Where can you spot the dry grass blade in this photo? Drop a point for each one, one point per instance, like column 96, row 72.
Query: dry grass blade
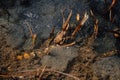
column 69, row 75
column 108, row 54
column 95, row 30
column 33, row 36
column 42, row 72
column 116, row 33
column 70, row 44
column 33, row 39
column 96, row 27
column 93, row 16
column 52, row 32
column 67, row 21
column 110, row 15
column 112, row 4
column 65, row 26
column 29, row 27
column 96, row 23
column 85, row 17
column 78, row 17
column 93, row 37
column 59, row 37
column 63, row 16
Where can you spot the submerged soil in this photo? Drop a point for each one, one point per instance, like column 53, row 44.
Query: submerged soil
column 28, row 53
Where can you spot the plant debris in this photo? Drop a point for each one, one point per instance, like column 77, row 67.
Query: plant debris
column 39, row 44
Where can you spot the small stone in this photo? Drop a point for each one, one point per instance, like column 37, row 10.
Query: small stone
column 59, row 57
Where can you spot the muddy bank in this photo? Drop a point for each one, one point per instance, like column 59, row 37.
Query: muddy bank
column 26, row 45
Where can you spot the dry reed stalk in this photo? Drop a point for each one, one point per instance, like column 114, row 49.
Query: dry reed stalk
column 33, row 36
column 65, row 26
column 85, row 17
column 30, row 29
column 112, row 4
